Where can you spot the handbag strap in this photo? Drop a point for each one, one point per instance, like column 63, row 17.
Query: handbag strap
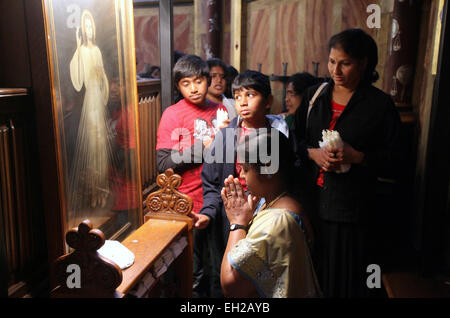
column 313, row 99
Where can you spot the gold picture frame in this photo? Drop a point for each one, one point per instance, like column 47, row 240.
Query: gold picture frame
column 90, row 45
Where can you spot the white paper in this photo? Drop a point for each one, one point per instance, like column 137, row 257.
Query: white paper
column 159, row 268
column 118, row 253
column 148, row 280
column 158, row 271
column 139, row 290
column 168, row 257
column 175, row 250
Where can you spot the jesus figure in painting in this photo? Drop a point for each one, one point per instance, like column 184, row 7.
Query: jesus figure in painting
column 89, row 173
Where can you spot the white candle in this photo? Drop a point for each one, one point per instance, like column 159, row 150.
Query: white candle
column 222, row 115
column 332, row 139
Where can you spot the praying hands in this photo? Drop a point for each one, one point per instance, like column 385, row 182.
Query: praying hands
column 238, row 205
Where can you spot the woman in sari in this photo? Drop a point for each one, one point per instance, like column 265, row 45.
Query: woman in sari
column 267, row 253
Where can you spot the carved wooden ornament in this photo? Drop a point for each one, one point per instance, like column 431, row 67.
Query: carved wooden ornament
column 98, row 275
column 168, row 199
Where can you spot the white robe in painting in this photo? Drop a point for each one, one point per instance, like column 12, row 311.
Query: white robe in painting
column 89, row 184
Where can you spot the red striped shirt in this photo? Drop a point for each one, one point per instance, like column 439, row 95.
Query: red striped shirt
column 181, row 125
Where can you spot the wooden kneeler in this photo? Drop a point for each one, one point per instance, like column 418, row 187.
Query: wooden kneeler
column 166, row 222
column 168, row 203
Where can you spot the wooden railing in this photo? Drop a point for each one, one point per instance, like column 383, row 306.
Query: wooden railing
column 21, row 232
column 149, row 110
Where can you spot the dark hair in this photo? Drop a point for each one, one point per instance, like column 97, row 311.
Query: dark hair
column 231, row 75
column 232, row 72
column 254, row 80
column 177, row 55
column 301, row 81
column 190, row 65
column 359, row 45
column 257, row 139
column 146, row 73
column 153, row 68
column 218, row 62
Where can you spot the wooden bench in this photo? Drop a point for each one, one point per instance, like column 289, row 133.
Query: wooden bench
column 164, row 241
column 411, row 285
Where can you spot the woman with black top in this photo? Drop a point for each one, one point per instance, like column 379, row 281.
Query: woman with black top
column 369, row 125
column 296, row 86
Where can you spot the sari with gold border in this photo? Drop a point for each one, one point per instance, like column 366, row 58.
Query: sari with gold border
column 275, row 256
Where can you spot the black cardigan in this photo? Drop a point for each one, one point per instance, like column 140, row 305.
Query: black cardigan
column 371, row 124
column 213, row 177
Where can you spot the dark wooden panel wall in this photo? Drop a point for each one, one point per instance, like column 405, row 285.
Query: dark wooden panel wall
column 21, row 195
column 23, row 223
column 297, row 32
column 146, row 28
column 15, row 68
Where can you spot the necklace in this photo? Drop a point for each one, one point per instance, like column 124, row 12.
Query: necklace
column 266, row 206
column 271, row 203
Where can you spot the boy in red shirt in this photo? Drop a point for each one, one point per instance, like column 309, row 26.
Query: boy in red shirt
column 185, row 130
column 188, row 127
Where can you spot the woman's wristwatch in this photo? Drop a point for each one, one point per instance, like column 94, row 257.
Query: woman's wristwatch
column 235, row 226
